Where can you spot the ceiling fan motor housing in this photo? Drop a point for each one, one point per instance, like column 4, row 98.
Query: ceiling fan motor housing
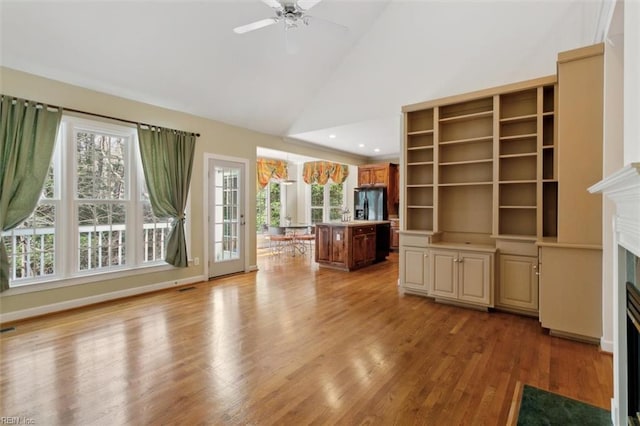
column 291, row 14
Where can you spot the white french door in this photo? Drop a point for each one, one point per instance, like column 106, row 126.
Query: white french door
column 226, row 217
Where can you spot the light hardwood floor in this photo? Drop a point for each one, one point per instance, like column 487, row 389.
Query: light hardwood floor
column 290, row 344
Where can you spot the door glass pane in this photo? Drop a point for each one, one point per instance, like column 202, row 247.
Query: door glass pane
column 226, row 214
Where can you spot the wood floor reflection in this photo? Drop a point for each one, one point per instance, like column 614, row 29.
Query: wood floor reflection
column 289, row 344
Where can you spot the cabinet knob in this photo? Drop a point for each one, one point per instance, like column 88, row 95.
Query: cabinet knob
column 461, row 260
column 456, row 260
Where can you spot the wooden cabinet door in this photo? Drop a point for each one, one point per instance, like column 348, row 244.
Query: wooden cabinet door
column 364, row 176
column 518, row 282
column 395, row 238
column 415, row 268
column 443, row 268
column 370, row 248
column 359, row 255
column 474, row 277
column 380, row 176
column 323, row 243
column 338, row 246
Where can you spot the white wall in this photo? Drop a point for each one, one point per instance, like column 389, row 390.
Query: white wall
column 631, row 81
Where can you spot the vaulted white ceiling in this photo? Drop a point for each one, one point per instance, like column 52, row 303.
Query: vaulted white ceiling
column 184, row 55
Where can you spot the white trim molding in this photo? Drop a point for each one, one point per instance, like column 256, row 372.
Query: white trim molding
column 85, row 301
column 623, row 188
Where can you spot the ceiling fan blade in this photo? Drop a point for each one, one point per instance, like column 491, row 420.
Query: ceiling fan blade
column 274, row 4
column 314, row 20
column 255, row 25
column 307, row 4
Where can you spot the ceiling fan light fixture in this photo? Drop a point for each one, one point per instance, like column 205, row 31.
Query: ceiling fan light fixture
column 292, row 13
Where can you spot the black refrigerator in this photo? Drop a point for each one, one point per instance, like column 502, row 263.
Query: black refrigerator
column 370, row 204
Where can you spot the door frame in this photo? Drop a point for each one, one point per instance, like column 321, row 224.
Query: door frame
column 249, row 219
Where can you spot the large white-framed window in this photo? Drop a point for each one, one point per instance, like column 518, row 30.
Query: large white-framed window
column 94, row 215
column 326, row 201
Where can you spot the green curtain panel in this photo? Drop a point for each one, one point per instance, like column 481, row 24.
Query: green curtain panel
column 27, row 136
column 167, row 160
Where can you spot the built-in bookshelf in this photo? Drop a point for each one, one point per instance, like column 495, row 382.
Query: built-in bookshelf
column 419, row 167
column 517, row 164
column 483, row 165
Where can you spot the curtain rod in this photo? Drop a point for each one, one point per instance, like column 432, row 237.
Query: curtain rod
column 102, row 116
column 114, row 118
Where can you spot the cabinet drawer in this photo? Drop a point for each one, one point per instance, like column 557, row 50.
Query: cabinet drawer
column 414, row 240
column 368, row 229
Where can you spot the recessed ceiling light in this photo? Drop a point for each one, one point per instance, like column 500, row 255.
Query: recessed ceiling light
column 332, row 136
column 361, row 145
column 376, row 150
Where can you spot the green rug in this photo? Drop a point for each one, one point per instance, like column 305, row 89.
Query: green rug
column 539, row 407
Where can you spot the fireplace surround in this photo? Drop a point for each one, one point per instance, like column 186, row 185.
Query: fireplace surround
column 633, row 351
column 632, row 272
column 623, row 188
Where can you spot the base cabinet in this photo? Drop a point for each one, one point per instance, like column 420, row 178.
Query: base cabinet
column 349, row 245
column 364, row 246
column 571, row 292
column 463, row 276
column 414, row 263
column 323, row 246
column 415, row 269
column 518, row 283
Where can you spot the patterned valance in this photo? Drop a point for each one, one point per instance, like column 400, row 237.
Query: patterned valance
column 320, row 171
column 268, row 169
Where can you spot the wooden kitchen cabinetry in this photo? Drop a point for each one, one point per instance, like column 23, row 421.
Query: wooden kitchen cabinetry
column 364, row 245
column 395, row 234
column 382, row 175
column 351, row 245
column 462, row 275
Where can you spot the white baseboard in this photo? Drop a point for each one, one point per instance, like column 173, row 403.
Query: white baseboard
column 606, row 345
column 252, row 268
column 84, row 301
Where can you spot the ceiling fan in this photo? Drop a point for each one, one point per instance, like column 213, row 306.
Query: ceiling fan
column 293, row 13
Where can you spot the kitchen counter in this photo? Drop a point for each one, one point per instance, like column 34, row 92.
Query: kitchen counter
column 352, row 245
column 356, row 223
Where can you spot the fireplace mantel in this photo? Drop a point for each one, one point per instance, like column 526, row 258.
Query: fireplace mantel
column 623, row 188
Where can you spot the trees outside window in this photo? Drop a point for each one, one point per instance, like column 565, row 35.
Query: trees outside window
column 327, row 202
column 268, row 206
